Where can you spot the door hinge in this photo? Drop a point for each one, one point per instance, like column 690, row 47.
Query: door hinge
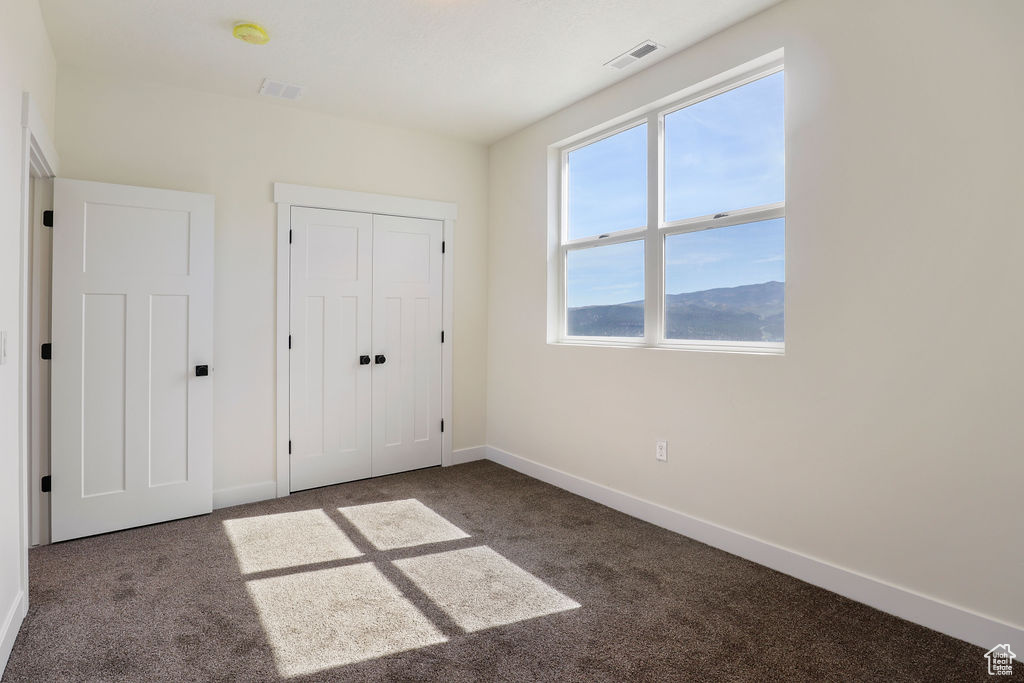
column 289, row 237
column 48, row 219
column 289, row 341
column 44, row 484
column 442, row 336
column 442, row 426
column 442, row 246
column 46, row 351
column 289, row 446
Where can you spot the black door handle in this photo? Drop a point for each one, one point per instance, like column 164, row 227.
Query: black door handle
column 202, row 370
column 364, row 360
column 379, row 359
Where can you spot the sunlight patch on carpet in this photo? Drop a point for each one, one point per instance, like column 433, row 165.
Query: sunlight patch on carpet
column 401, row 524
column 289, row 539
column 321, row 619
column 478, row 588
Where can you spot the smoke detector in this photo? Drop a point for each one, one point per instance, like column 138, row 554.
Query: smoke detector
column 281, row 90
column 634, row 55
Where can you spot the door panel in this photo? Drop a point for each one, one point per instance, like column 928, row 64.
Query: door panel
column 407, row 332
column 114, row 244
column 131, row 425
column 168, row 409
column 331, row 262
column 103, row 381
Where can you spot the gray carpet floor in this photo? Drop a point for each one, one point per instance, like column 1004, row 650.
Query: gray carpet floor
column 469, row 573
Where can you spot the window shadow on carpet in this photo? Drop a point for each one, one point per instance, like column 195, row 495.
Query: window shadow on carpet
column 342, row 585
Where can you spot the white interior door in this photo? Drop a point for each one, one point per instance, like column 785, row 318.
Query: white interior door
column 407, row 262
column 131, row 415
column 331, row 264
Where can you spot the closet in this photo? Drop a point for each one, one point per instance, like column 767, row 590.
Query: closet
column 365, row 343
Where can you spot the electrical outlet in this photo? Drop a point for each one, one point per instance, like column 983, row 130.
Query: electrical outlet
column 3, row 346
column 661, row 451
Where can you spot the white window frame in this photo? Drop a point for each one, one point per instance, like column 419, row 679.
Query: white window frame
column 657, row 229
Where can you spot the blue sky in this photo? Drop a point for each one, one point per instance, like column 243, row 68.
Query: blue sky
column 722, row 154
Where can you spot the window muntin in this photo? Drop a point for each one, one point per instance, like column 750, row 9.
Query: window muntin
column 726, row 152
column 726, row 284
column 605, row 291
column 607, row 184
column 739, row 209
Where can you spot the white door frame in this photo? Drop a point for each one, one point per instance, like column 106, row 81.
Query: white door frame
column 38, row 160
column 286, row 196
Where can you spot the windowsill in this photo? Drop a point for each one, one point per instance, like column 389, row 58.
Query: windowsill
column 750, row 348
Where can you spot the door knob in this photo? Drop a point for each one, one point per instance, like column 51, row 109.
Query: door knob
column 202, row 370
column 364, row 360
column 379, row 359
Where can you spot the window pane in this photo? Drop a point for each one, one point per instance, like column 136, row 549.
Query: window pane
column 727, row 284
column 607, row 184
column 727, row 152
column 605, row 291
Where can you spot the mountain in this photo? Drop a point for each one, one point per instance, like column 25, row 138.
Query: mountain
column 745, row 313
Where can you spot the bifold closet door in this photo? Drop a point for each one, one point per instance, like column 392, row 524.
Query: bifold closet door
column 407, row 267
column 331, row 280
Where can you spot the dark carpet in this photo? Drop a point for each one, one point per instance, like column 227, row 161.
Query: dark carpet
column 216, row 598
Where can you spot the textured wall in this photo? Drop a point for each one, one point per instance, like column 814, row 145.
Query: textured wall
column 888, row 439
column 160, row 136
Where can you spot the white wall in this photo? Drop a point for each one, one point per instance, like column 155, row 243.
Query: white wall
column 26, row 64
column 159, row 136
column 888, row 440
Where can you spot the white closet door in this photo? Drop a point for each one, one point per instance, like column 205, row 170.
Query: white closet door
column 331, row 280
column 407, row 262
column 132, row 308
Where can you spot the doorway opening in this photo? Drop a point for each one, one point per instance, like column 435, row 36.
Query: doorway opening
column 39, row 166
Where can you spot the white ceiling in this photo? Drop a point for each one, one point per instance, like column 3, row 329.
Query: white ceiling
column 475, row 69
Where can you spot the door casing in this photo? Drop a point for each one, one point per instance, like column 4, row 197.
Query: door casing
column 39, row 161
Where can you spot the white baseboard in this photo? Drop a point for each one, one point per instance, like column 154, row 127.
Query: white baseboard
column 249, row 493
column 9, row 627
column 937, row 615
column 468, row 455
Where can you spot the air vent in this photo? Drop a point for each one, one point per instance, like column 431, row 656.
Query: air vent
column 635, row 55
column 643, row 50
column 284, row 91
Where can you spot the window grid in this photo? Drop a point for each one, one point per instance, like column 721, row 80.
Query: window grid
column 658, row 229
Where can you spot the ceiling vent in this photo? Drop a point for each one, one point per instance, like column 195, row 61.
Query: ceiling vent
column 635, row 55
column 284, row 91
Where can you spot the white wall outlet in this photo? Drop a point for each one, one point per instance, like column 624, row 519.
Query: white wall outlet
column 3, row 346
column 661, row 451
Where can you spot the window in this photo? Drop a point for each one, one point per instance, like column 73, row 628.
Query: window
column 688, row 251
